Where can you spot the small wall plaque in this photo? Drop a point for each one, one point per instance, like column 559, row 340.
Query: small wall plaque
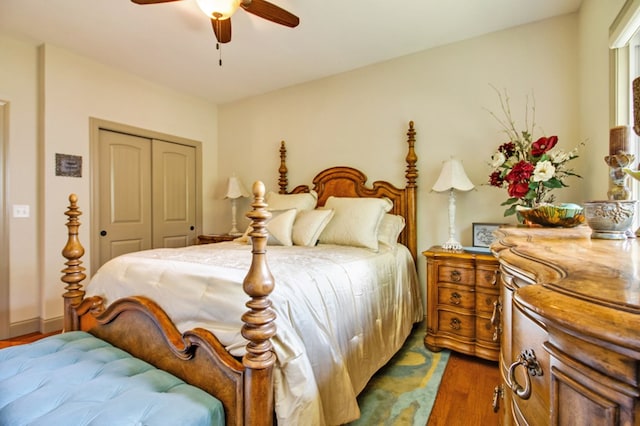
column 68, row 165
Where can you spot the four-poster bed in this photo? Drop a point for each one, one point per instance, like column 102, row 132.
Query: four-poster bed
column 337, row 313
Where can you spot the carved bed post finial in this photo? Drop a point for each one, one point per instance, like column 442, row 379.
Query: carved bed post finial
column 283, row 182
column 74, row 272
column 412, row 177
column 259, row 324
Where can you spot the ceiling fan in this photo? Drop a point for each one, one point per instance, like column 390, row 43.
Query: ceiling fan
column 220, row 11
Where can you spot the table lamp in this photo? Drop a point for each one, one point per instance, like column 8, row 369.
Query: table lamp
column 235, row 190
column 452, row 177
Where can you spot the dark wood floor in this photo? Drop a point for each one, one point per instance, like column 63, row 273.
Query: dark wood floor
column 464, row 397
column 466, row 392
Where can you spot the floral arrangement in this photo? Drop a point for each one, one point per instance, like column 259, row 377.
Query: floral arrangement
column 527, row 167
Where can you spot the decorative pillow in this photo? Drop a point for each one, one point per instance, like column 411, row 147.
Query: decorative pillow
column 355, row 221
column 308, row 226
column 279, row 227
column 300, row 202
column 390, row 228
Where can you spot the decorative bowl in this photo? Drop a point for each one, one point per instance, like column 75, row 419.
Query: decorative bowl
column 610, row 219
column 565, row 215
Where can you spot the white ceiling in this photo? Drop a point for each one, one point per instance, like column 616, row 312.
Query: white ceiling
column 173, row 43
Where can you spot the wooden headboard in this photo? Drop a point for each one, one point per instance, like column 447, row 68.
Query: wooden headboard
column 342, row 181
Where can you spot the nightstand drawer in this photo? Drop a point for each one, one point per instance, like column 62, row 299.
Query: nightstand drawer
column 487, row 278
column 485, row 330
column 456, row 297
column 456, row 323
column 485, row 302
column 456, row 274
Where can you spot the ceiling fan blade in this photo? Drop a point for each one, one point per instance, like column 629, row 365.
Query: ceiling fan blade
column 151, row 1
column 270, row 12
column 222, row 29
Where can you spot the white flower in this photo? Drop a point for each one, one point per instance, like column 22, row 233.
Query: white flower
column 544, row 171
column 497, row 160
column 559, row 156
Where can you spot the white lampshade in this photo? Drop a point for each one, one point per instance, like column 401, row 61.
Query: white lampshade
column 235, row 189
column 453, row 176
column 219, row 9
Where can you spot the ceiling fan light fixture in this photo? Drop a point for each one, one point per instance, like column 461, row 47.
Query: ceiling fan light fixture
column 219, row 9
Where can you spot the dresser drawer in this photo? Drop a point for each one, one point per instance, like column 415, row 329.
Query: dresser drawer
column 456, row 296
column 456, row 274
column 456, row 323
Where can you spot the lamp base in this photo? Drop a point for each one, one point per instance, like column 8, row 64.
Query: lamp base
column 452, row 244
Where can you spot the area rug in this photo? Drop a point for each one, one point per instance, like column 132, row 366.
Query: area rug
column 403, row 391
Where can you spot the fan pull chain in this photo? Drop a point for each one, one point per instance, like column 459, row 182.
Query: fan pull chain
column 219, row 49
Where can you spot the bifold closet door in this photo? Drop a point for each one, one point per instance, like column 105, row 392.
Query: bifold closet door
column 124, row 208
column 147, row 194
column 174, row 194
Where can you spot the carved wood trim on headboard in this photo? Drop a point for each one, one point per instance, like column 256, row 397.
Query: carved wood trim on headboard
column 342, row 181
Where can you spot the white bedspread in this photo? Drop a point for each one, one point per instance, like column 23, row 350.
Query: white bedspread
column 342, row 312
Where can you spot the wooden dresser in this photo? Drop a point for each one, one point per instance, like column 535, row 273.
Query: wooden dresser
column 462, row 300
column 570, row 346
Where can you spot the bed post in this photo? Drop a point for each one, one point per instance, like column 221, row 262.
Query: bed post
column 412, row 177
column 283, row 182
column 258, row 325
column 74, row 272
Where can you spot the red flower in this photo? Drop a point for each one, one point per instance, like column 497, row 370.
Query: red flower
column 521, row 172
column 543, row 145
column 508, row 149
column 495, row 179
column 518, row 189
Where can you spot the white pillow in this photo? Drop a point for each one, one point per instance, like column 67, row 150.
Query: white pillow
column 355, row 221
column 305, row 201
column 390, row 228
column 279, row 227
column 308, row 226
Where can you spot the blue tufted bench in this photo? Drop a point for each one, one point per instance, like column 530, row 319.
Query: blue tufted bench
column 75, row 378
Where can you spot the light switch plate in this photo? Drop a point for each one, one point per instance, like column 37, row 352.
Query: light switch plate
column 20, row 210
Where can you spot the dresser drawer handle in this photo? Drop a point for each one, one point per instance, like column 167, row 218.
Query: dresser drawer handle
column 527, row 359
column 455, row 298
column 455, row 323
column 456, row 276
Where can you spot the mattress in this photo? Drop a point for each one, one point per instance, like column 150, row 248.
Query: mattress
column 77, row 379
column 342, row 312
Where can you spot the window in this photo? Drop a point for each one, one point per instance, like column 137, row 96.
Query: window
column 624, row 40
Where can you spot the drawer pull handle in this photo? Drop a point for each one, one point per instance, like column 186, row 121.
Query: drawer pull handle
column 455, row 323
column 527, row 359
column 495, row 320
column 456, row 276
column 498, row 394
column 495, row 280
column 455, row 298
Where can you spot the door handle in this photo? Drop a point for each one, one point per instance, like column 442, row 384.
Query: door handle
column 191, row 228
column 103, row 233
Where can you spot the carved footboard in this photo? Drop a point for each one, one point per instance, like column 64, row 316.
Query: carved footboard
column 139, row 326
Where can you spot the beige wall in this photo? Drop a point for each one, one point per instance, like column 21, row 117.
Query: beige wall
column 357, row 118
column 73, row 89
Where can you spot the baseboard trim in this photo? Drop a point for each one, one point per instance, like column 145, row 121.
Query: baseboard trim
column 35, row 325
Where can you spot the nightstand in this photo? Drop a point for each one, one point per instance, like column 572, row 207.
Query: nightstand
column 463, row 311
column 215, row 238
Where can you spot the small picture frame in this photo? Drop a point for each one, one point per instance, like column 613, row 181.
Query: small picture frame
column 483, row 234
